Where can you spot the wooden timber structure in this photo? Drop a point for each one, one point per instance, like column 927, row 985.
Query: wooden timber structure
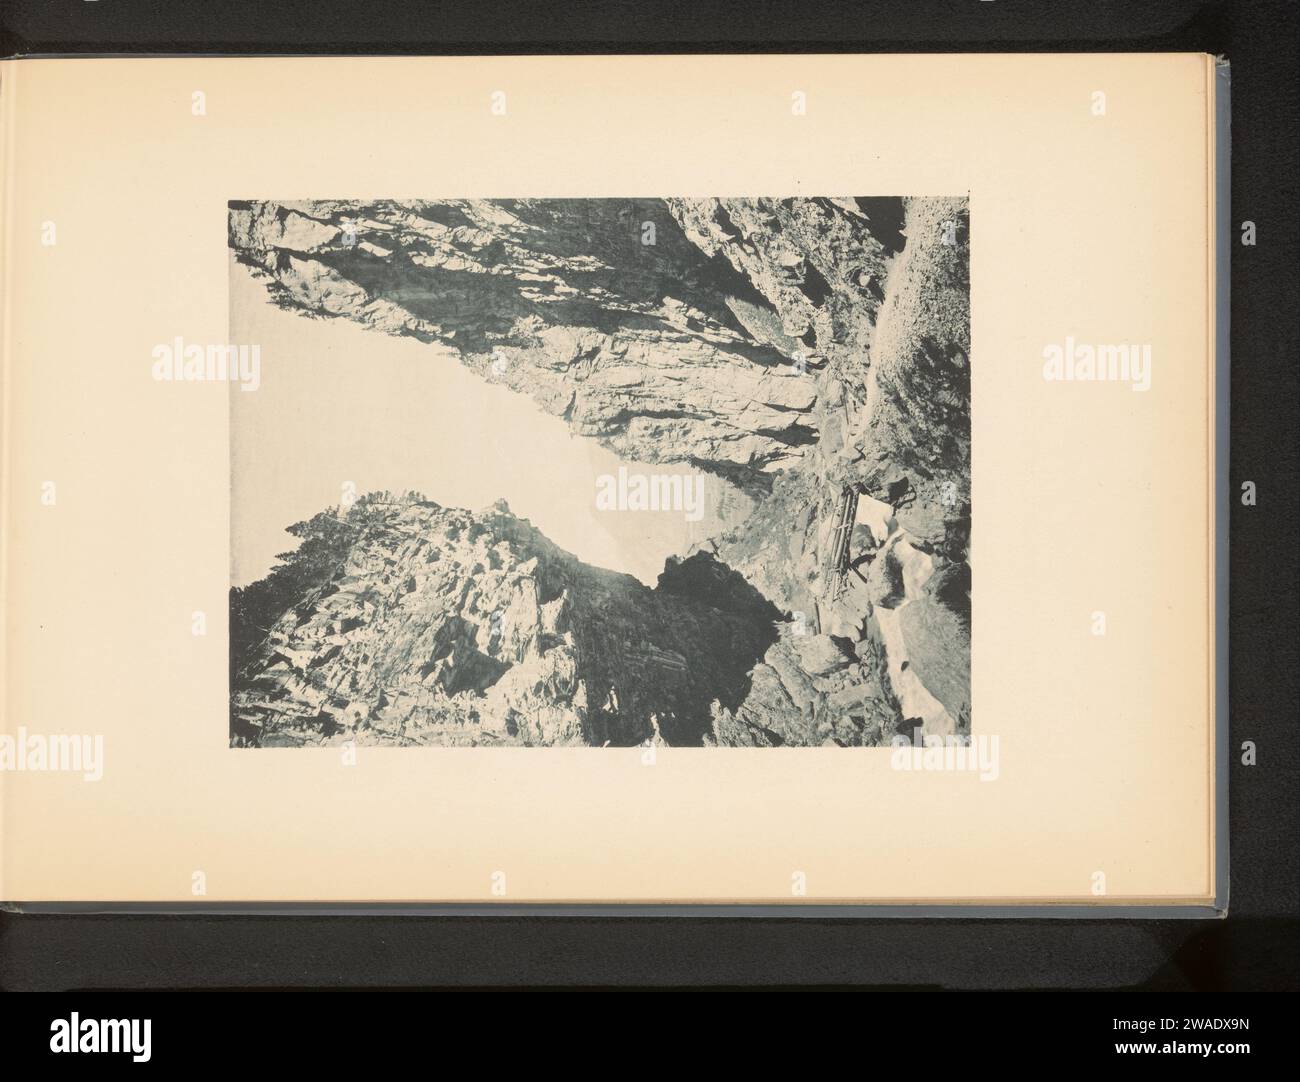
column 846, row 514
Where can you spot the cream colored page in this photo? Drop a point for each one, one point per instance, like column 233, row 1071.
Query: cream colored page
column 1088, row 497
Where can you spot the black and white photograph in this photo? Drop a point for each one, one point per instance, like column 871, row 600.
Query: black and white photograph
column 600, row 472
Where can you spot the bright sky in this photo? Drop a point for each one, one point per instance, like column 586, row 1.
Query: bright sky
column 340, row 403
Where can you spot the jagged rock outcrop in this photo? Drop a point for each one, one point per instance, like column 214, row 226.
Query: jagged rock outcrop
column 819, row 263
column 602, row 311
column 807, row 350
column 429, row 625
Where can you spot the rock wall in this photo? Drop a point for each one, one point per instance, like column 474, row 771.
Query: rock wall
column 663, row 351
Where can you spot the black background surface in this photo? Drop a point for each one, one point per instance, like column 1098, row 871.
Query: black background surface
column 1256, row 947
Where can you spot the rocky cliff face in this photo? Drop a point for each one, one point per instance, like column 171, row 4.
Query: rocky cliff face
column 802, row 349
column 894, row 426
